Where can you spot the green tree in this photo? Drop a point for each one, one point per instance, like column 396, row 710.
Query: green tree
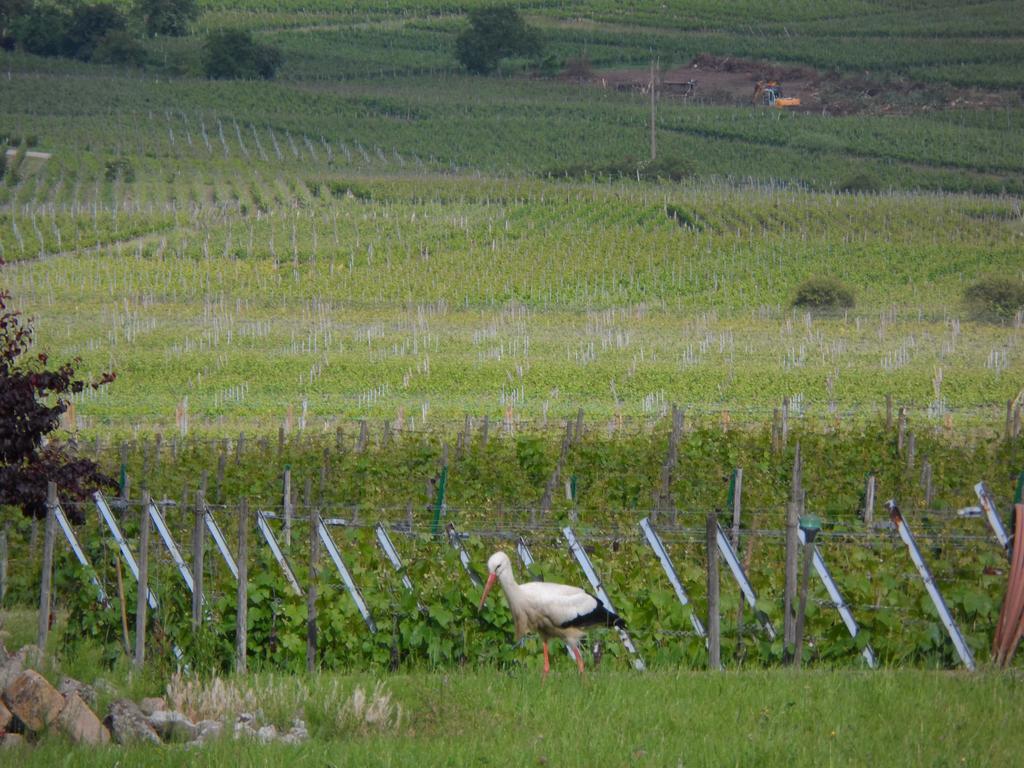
column 233, row 54
column 119, row 47
column 494, row 34
column 41, row 30
column 89, row 24
column 166, row 17
column 10, row 12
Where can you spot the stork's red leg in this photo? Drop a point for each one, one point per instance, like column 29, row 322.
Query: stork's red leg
column 547, row 660
column 579, row 658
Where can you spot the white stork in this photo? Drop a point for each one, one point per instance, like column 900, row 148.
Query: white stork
column 550, row 610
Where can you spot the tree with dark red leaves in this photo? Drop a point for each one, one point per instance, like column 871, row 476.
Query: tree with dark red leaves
column 32, row 399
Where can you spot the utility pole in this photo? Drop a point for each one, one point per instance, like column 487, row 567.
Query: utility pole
column 654, row 139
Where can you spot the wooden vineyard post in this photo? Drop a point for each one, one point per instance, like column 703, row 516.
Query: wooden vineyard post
column 314, row 556
column 47, row 576
column 242, row 595
column 869, row 502
column 198, row 550
column 714, row 624
column 792, row 518
column 3, row 559
column 287, row 506
column 798, row 646
column 143, row 590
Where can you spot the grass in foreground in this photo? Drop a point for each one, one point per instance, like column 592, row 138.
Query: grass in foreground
column 751, row 718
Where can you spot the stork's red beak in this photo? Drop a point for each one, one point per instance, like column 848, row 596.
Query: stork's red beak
column 487, row 588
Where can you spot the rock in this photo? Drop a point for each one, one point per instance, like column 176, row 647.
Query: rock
column 12, row 741
column 297, row 734
column 173, row 726
column 128, row 725
column 10, row 668
column 5, row 717
column 152, row 704
column 30, row 655
column 80, row 723
column 86, row 693
column 245, row 726
column 208, row 730
column 267, row 734
column 35, row 702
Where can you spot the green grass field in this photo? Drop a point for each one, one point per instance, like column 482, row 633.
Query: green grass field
column 471, row 717
column 620, row 719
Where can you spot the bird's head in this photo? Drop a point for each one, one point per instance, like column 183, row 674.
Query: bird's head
column 497, row 565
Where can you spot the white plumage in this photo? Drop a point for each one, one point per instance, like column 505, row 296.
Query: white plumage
column 550, row 610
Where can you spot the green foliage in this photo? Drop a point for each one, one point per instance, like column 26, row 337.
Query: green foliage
column 119, row 47
column 994, row 298
column 119, row 168
column 495, row 33
column 233, row 54
column 42, row 30
column 166, row 17
column 864, row 181
column 88, row 26
column 630, row 169
column 823, row 293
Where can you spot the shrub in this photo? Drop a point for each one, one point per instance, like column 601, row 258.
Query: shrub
column 823, row 293
column 233, row 54
column 994, row 298
column 120, row 168
column 42, row 30
column 495, row 34
column 88, row 26
column 864, row 181
column 166, row 17
column 119, row 47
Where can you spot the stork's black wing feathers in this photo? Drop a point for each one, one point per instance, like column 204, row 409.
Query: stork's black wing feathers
column 599, row 617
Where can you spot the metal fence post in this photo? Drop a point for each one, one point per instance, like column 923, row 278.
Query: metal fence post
column 46, row 581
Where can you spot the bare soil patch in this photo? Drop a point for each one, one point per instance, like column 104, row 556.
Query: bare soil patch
column 728, row 81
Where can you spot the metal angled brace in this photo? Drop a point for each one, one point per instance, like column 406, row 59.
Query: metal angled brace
column 268, row 535
column 392, row 554
column 165, row 536
column 929, row 583
column 346, row 577
column 666, row 563
column 126, row 553
column 69, row 534
column 218, row 538
column 988, row 504
column 588, row 568
column 729, row 555
column 455, row 539
column 837, row 599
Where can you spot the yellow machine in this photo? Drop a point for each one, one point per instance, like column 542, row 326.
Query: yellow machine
column 769, row 93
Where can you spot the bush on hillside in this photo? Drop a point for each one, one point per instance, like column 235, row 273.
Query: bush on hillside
column 495, row 34
column 823, row 293
column 166, row 17
column 994, row 298
column 88, row 25
column 119, row 47
column 232, row 54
